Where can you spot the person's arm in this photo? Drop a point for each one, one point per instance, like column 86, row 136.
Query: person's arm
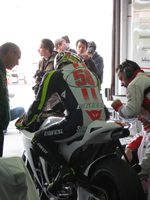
column 128, row 153
column 133, row 146
column 145, row 144
column 134, row 102
column 44, row 93
column 91, row 65
column 99, row 65
column 145, row 162
column 89, row 62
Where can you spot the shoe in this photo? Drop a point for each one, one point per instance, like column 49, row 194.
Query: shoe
column 62, row 177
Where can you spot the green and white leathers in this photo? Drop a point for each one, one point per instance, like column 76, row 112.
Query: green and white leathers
column 78, row 89
column 4, row 103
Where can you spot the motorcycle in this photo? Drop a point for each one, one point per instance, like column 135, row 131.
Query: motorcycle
column 100, row 173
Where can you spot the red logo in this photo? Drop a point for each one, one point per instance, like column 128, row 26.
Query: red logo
column 94, row 114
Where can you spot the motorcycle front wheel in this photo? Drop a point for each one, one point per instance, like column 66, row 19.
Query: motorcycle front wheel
column 114, row 179
column 39, row 190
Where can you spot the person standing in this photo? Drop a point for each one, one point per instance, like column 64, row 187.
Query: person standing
column 66, row 38
column 46, row 50
column 81, row 48
column 60, row 45
column 98, row 60
column 46, row 64
column 82, row 51
column 10, row 54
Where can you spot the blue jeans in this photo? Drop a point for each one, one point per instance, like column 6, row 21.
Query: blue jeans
column 16, row 113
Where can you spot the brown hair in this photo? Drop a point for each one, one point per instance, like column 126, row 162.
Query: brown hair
column 48, row 44
column 58, row 42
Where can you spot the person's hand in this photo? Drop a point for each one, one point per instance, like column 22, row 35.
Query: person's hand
column 115, row 103
column 128, row 153
column 19, row 123
column 143, row 119
column 85, row 56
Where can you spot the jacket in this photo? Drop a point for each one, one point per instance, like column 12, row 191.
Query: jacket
column 98, row 60
column 50, row 64
column 138, row 97
column 44, row 69
column 4, row 100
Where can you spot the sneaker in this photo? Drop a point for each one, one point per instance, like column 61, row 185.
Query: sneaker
column 63, row 176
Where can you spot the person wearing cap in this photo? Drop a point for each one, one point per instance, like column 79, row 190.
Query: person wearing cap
column 66, row 38
column 9, row 57
column 98, row 60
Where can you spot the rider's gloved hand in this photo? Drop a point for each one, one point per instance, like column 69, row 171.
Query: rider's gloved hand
column 19, row 123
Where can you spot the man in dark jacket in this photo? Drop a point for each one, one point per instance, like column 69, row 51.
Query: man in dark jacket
column 98, row 60
column 81, row 48
column 9, row 57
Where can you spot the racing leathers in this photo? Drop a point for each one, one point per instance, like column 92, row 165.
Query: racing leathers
column 78, row 89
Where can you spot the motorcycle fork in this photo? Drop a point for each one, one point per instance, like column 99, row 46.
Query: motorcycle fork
column 37, row 168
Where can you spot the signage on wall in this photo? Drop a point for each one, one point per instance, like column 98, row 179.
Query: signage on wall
column 141, row 33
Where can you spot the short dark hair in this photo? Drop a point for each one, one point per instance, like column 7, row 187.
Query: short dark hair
column 48, row 44
column 128, row 67
column 83, row 41
column 66, row 38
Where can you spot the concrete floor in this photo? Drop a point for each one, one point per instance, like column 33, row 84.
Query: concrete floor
column 24, row 96
column 13, row 145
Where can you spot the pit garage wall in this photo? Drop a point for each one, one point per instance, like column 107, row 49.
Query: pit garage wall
column 141, row 33
column 134, row 36
column 125, row 39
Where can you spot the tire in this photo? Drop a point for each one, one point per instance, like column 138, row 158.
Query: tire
column 114, row 179
column 40, row 192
